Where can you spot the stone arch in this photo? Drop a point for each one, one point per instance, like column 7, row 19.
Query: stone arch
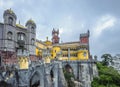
column 9, row 35
column 68, row 68
column 10, row 20
column 51, row 75
column 35, row 80
column 69, row 75
column 74, row 66
column 32, row 41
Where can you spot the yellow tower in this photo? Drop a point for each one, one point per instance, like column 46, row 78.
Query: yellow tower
column 82, row 53
column 55, row 51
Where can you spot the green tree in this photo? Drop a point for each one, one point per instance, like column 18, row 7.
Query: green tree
column 107, row 58
column 108, row 77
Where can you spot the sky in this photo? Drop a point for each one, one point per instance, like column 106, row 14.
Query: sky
column 72, row 17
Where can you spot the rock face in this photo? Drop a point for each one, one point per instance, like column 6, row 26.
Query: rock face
column 51, row 75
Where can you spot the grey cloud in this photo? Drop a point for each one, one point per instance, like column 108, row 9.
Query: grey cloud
column 84, row 14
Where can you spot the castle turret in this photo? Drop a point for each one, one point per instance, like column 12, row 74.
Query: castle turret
column 84, row 38
column 31, row 28
column 83, row 49
column 9, row 17
column 55, row 36
column 30, row 24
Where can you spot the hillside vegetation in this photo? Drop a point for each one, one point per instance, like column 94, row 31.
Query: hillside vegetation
column 108, row 77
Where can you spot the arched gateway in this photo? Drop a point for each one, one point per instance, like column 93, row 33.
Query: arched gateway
column 35, row 80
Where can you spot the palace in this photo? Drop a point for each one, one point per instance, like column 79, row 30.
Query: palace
column 77, row 50
column 27, row 62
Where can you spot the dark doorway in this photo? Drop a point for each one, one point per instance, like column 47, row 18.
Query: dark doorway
column 51, row 75
column 35, row 80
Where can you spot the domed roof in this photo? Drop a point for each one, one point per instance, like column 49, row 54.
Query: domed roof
column 9, row 11
column 30, row 21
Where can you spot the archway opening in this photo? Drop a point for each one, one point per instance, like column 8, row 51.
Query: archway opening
column 35, row 80
column 52, row 75
column 69, row 76
column 68, row 68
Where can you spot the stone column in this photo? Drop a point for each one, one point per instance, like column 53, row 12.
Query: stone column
column 61, row 79
column 68, row 54
column 47, row 77
column 56, row 74
column 42, row 76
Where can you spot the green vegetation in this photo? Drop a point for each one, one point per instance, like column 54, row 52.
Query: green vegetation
column 108, row 76
column 68, row 76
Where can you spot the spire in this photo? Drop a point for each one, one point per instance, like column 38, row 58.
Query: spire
column 88, row 33
column 47, row 38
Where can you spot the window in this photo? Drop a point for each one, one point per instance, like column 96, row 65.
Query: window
column 9, row 35
column 32, row 29
column 32, row 41
column 84, row 54
column 21, row 36
column 10, row 20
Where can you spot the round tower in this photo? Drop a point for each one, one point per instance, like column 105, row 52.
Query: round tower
column 9, row 17
column 31, row 28
column 30, row 24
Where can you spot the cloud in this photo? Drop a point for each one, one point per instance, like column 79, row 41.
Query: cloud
column 104, row 23
column 4, row 4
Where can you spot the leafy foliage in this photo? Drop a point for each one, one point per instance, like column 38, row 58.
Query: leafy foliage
column 107, row 58
column 108, row 77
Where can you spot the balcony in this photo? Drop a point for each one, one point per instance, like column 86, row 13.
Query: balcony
column 21, row 52
column 21, row 43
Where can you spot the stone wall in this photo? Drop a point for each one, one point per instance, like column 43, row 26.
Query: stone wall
column 51, row 75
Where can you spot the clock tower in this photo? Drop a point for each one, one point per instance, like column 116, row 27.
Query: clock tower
column 55, row 36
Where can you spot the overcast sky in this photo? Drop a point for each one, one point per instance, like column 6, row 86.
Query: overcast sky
column 72, row 17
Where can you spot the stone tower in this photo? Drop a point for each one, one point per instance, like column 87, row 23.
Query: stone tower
column 31, row 26
column 84, row 38
column 9, row 32
column 55, row 36
column 9, row 17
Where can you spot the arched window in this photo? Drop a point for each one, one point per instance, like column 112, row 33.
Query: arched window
column 32, row 29
column 84, row 54
column 10, row 20
column 21, row 36
column 9, row 35
column 32, row 41
column 52, row 75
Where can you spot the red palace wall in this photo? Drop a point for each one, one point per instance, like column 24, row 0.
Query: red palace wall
column 8, row 57
column 84, row 40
